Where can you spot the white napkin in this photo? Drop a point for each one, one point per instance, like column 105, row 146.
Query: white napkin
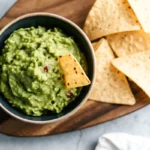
column 122, row 141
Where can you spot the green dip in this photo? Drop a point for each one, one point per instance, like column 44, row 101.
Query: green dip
column 30, row 77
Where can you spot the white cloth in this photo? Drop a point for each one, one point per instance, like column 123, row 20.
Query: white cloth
column 122, row 141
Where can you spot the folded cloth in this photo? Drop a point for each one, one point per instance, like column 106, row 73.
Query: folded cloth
column 122, row 141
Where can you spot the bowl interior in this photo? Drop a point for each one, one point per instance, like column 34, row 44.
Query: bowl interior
column 50, row 22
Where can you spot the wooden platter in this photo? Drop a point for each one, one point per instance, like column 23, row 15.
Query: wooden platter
column 92, row 112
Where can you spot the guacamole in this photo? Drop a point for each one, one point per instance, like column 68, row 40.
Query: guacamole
column 30, row 76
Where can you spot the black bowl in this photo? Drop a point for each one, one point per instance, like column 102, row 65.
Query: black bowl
column 50, row 21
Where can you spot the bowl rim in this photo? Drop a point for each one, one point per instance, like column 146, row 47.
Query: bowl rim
column 93, row 59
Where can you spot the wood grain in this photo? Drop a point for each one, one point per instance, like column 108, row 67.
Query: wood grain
column 92, row 112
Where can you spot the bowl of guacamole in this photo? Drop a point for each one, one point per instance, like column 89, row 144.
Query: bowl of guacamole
column 32, row 86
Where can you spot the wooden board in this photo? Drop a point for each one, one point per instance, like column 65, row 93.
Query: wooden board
column 92, row 112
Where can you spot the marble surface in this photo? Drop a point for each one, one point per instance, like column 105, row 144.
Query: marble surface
column 137, row 123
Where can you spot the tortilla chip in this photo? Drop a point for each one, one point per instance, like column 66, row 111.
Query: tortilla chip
column 142, row 12
column 136, row 67
column 129, row 42
column 111, row 86
column 108, row 17
column 74, row 75
column 96, row 44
